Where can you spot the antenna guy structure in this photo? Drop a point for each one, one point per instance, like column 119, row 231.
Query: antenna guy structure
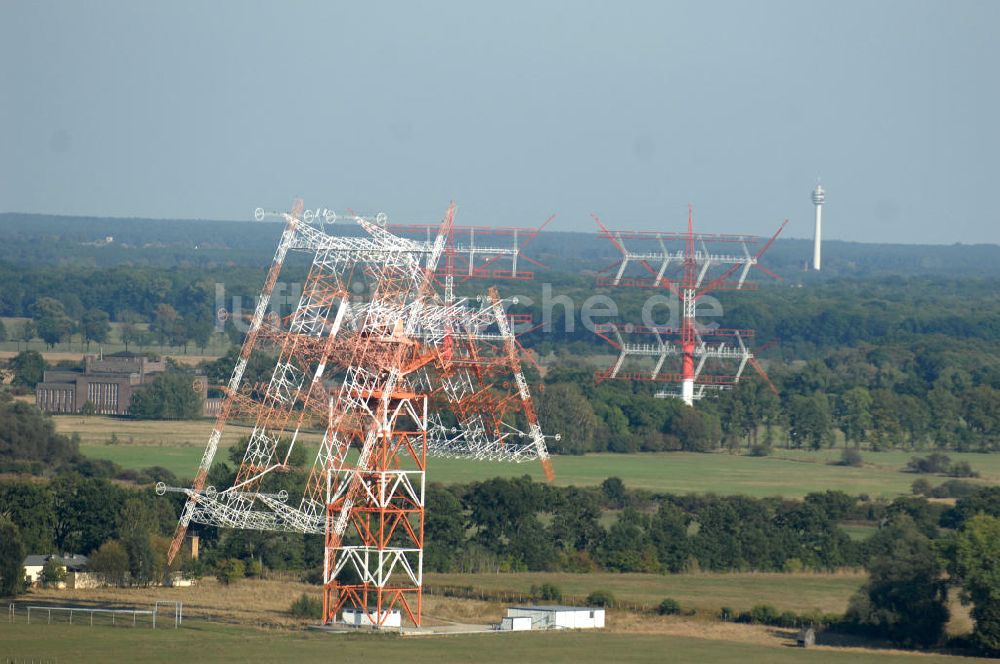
column 692, row 358
column 389, row 378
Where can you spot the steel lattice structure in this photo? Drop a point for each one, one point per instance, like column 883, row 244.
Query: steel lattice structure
column 390, row 378
column 690, row 265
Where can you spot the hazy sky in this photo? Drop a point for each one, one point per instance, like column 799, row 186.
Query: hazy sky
column 515, row 110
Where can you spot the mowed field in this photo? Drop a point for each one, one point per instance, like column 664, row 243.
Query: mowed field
column 210, row 642
column 827, row 593
column 249, row 622
column 178, row 446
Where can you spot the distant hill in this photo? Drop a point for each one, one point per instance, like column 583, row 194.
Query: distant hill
column 64, row 240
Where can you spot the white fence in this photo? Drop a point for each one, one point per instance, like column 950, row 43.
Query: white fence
column 85, row 614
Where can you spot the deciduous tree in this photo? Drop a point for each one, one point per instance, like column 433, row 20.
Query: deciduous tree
column 905, row 596
column 11, row 558
column 110, row 562
column 94, row 326
column 977, row 566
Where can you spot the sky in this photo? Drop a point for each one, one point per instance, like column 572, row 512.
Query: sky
column 515, row 110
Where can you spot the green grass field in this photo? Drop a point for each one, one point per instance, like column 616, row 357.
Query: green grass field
column 793, row 473
column 827, row 593
column 205, row 642
column 96, row 431
column 684, row 472
column 859, row 531
column 987, row 464
column 677, row 472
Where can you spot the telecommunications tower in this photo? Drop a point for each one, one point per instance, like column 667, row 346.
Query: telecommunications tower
column 688, row 358
column 379, row 382
column 818, row 196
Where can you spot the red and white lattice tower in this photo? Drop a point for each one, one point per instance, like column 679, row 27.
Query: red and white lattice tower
column 389, row 378
column 690, row 265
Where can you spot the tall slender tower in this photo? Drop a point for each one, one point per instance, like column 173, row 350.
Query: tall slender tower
column 818, row 197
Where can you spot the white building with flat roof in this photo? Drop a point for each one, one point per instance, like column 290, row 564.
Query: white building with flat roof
column 557, row 617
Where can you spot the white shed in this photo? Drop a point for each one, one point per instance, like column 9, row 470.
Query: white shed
column 360, row 617
column 519, row 624
column 559, row 617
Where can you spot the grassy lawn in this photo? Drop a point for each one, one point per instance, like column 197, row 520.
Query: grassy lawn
column 828, row 593
column 988, row 465
column 177, row 446
column 249, row 622
column 96, row 431
column 858, row 531
column 678, row 472
column 181, row 461
column 213, row 642
column 792, row 473
column 684, row 472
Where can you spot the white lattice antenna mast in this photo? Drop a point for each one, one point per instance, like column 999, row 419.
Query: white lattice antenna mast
column 365, row 372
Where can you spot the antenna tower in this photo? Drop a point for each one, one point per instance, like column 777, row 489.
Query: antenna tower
column 690, row 265
column 387, row 379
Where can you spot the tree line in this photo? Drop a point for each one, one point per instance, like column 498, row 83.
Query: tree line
column 882, row 398
column 919, row 548
column 890, row 363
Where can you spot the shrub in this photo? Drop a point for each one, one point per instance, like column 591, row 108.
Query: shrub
column 763, row 614
column 921, row 487
column 547, row 591
column 962, row 469
column 194, row 568
column 229, row 571
column 53, row 572
column 668, row 607
column 931, row 464
column 726, row 614
column 307, row 606
column 787, row 619
column 130, row 475
column 160, row 474
column 99, row 468
column 851, row 457
column 313, row 576
column 816, row 618
column 940, row 464
column 953, row 489
column 793, row 565
column 600, row 598
column 255, row 568
column 760, row 451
